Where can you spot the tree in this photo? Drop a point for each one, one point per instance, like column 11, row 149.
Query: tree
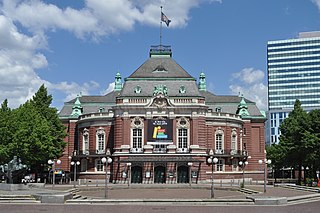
column 32, row 140
column 292, row 140
column 277, row 155
column 33, row 132
column 312, row 141
column 41, row 101
column 5, row 131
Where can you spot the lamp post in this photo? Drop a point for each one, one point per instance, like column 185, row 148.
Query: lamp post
column 107, row 161
column 190, row 180
column 75, row 172
column 212, row 161
column 53, row 163
column 265, row 162
column 128, row 165
column 243, row 165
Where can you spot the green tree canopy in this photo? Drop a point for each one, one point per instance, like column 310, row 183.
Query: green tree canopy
column 33, row 132
column 299, row 141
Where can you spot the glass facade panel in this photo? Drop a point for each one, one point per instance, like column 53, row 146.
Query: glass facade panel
column 293, row 73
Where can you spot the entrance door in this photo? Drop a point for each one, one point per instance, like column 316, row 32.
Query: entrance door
column 136, row 174
column 183, row 174
column 159, row 174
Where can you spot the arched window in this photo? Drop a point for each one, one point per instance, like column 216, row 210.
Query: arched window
column 234, row 140
column 85, row 142
column 183, row 129
column 100, row 141
column 219, row 141
column 137, row 126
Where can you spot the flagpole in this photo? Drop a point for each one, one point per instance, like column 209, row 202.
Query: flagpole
column 161, row 27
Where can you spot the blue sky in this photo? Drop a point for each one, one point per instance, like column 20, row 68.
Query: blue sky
column 75, row 46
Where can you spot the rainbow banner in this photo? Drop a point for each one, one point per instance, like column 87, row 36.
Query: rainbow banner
column 160, row 131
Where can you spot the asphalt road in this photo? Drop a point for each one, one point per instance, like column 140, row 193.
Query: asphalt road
column 311, row 207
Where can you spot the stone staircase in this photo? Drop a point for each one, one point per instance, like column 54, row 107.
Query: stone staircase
column 76, row 194
column 18, row 199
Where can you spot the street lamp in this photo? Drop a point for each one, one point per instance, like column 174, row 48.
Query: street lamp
column 212, row 161
column 266, row 162
column 75, row 171
column 107, row 161
column 53, row 163
column 190, row 180
column 243, row 165
column 128, row 165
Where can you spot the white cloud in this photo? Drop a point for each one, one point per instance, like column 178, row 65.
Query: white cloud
column 109, row 89
column 73, row 89
column 317, row 2
column 25, row 23
column 18, row 59
column 249, row 82
column 249, row 75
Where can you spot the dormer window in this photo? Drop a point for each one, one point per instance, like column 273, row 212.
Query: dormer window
column 182, row 90
column 160, row 68
column 137, row 89
column 218, row 109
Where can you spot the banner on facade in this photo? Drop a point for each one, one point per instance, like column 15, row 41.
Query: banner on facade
column 160, row 131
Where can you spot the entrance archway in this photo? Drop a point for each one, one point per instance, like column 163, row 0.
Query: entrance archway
column 159, row 174
column 183, row 174
column 136, row 174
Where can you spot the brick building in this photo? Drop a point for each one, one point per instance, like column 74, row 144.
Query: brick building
column 161, row 126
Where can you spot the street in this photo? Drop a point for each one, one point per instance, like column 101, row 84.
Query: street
column 98, row 208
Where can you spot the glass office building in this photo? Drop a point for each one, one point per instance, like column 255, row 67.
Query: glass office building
column 293, row 73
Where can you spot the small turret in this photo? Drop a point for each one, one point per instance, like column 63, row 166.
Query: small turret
column 202, row 82
column 118, row 82
column 77, row 108
column 242, row 107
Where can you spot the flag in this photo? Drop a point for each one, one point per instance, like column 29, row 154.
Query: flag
column 165, row 19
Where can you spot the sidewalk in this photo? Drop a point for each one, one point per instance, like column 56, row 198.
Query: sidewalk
column 173, row 193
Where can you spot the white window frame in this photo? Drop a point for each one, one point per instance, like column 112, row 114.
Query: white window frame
column 182, row 139
column 220, row 165
column 85, row 142
column 101, row 140
column 137, row 134
column 183, row 134
column 137, row 138
column 219, row 142
column 98, row 165
column 234, row 139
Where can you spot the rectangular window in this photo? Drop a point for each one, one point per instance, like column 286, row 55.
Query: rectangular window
column 136, row 138
column 83, row 165
column 182, row 138
column 85, row 144
column 220, row 166
column 100, row 142
column 234, row 165
column 233, row 142
column 99, row 166
column 218, row 142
